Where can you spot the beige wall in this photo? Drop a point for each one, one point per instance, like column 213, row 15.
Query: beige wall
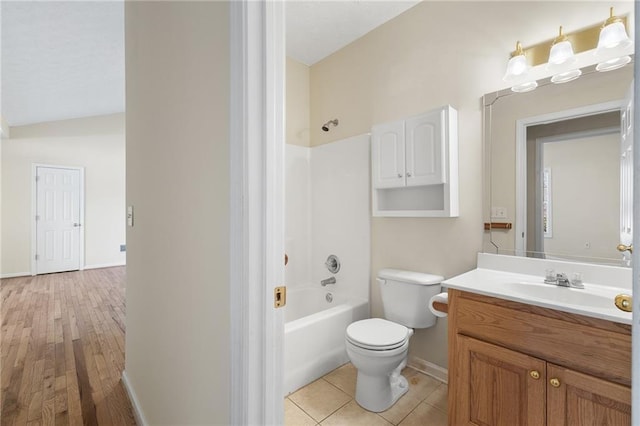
column 177, row 343
column 95, row 143
column 434, row 54
column 297, row 113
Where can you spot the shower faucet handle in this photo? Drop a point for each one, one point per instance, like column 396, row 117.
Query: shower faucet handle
column 333, row 264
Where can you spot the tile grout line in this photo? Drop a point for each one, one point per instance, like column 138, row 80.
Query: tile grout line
column 304, row 411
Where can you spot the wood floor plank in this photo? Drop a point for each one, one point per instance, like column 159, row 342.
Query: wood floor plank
column 62, row 349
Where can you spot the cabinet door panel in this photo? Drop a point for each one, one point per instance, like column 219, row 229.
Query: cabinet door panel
column 425, row 160
column 495, row 387
column 388, row 155
column 585, row 400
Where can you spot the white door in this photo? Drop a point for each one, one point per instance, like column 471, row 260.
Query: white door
column 626, row 173
column 57, row 219
column 425, row 142
column 388, row 153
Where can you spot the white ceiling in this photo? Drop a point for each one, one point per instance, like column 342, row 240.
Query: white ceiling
column 316, row 29
column 62, row 60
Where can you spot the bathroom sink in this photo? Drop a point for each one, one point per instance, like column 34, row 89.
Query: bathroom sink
column 521, row 279
column 589, row 297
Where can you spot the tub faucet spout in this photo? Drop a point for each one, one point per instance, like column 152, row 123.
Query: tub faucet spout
column 331, row 280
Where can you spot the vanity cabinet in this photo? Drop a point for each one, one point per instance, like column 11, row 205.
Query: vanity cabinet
column 516, row 364
column 415, row 165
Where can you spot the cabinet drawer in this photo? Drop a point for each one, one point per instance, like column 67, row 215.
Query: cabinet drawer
column 565, row 339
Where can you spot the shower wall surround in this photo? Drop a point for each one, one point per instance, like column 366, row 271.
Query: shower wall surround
column 327, row 211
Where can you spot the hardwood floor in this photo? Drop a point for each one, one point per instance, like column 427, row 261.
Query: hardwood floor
column 62, row 348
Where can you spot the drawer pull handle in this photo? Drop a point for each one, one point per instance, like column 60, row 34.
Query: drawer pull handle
column 555, row 382
column 534, row 374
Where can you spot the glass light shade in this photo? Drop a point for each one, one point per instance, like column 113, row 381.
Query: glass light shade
column 613, row 64
column 516, row 68
column 561, row 53
column 566, row 77
column 525, row 87
column 612, row 36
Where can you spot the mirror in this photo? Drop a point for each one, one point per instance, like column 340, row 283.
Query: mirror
column 553, row 163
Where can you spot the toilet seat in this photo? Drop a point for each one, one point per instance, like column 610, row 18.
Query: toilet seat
column 377, row 334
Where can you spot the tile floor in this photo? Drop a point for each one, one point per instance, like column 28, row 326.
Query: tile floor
column 330, row 401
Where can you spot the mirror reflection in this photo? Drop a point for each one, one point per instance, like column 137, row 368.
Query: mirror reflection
column 554, row 159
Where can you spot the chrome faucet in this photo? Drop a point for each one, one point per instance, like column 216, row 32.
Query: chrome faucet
column 561, row 280
column 331, row 280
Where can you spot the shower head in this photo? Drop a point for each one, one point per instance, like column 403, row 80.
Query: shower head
column 333, row 122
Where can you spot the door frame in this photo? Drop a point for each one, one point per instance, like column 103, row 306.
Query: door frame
column 34, row 200
column 257, row 111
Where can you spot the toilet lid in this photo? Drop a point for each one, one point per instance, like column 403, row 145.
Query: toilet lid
column 377, row 334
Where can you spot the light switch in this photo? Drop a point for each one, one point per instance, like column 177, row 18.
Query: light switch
column 130, row 215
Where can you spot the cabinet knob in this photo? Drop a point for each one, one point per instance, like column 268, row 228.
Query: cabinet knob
column 408, row 174
column 399, row 175
column 534, row 374
column 554, row 382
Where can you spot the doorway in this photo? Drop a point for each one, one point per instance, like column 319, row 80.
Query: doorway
column 58, row 216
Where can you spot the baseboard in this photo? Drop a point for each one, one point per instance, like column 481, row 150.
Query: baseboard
column 105, row 265
column 16, row 274
column 429, row 368
column 137, row 411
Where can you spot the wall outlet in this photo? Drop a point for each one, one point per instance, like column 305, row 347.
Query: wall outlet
column 498, row 212
column 123, row 247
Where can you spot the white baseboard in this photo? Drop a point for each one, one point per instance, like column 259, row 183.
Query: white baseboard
column 137, row 411
column 16, row 274
column 429, row 368
column 105, row 265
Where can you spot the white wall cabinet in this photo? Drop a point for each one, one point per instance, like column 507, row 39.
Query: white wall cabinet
column 415, row 166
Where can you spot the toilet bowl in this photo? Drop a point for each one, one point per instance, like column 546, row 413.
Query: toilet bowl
column 378, row 348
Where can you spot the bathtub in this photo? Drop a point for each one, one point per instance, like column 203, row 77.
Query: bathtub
column 314, row 333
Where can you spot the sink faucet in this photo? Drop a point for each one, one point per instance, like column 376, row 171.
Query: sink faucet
column 561, row 280
column 331, row 280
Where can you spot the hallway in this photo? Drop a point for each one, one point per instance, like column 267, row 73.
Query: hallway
column 62, row 347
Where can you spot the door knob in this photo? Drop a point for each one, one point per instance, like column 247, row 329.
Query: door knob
column 75, row 225
column 534, row 374
column 555, row 382
column 624, row 302
column 622, row 247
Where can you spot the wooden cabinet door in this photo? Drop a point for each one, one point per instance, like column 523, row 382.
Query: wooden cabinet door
column 388, row 155
column 426, row 149
column 495, row 386
column 578, row 399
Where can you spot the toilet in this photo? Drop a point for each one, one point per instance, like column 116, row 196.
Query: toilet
column 378, row 347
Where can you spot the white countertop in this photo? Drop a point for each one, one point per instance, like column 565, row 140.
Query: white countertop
column 595, row 300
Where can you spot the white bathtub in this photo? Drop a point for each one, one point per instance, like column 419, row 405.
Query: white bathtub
column 314, row 333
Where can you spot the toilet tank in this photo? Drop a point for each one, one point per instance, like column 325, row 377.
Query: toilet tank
column 405, row 296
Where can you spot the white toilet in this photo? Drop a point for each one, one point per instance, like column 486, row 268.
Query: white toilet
column 378, row 347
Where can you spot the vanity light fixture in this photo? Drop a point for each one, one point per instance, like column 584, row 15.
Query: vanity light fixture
column 613, row 36
column 561, row 58
column 518, row 72
column 609, row 43
column 561, row 50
